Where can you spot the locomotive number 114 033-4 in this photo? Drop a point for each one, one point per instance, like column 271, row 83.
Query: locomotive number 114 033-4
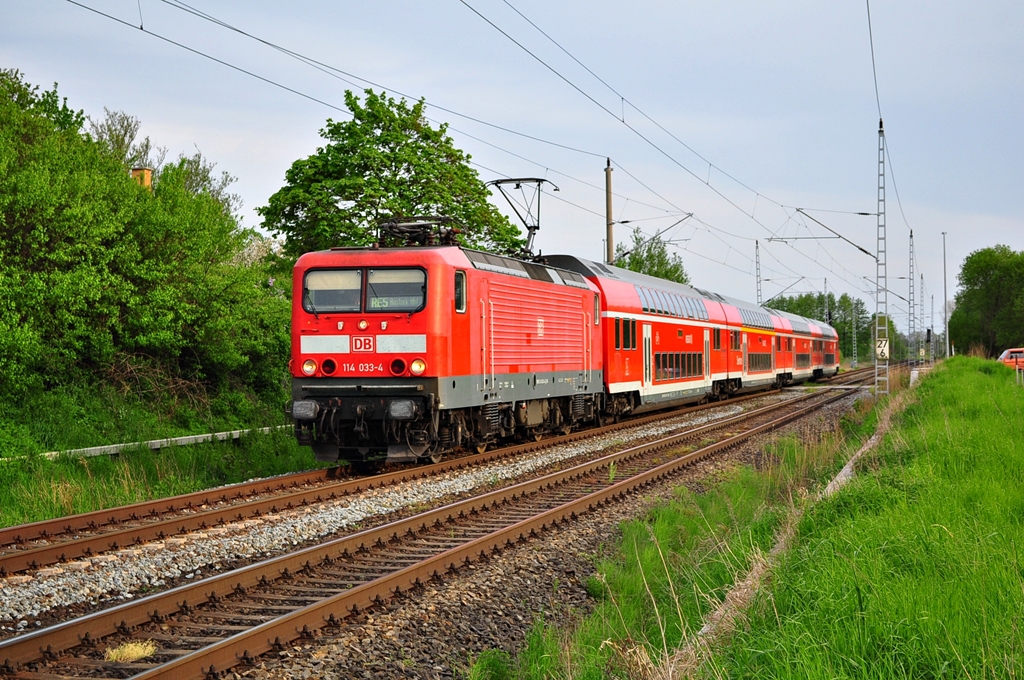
column 363, row 368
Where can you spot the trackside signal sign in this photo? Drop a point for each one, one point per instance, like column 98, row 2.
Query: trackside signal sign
column 882, row 348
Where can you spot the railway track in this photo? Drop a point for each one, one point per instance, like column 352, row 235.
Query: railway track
column 206, row 627
column 86, row 536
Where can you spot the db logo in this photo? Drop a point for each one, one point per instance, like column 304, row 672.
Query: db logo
column 362, row 343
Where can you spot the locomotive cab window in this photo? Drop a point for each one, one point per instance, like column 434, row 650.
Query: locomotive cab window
column 460, row 292
column 327, row 291
column 395, row 290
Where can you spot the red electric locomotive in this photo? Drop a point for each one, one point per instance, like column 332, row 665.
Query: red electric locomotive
column 403, row 354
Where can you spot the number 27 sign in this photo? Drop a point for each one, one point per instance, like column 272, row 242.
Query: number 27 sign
column 882, row 348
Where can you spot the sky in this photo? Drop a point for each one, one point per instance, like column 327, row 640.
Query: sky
column 735, row 112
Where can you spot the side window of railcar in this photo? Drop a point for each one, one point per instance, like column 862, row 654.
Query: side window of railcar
column 618, row 333
column 718, row 338
column 597, row 311
column 327, row 291
column 395, row 290
column 632, row 333
column 460, row 292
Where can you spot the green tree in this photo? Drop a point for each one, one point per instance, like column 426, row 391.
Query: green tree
column 649, row 255
column 116, row 133
column 841, row 313
column 386, row 162
column 97, row 271
column 989, row 310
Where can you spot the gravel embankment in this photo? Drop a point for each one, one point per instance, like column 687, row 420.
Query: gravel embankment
column 439, row 632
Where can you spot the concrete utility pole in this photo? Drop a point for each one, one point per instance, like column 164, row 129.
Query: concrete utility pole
column 945, row 296
column 608, row 212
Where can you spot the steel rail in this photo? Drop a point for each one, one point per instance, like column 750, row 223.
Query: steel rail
column 58, row 638
column 209, row 661
column 49, row 528
column 105, row 537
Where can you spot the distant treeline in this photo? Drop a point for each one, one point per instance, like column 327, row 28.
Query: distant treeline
column 989, row 314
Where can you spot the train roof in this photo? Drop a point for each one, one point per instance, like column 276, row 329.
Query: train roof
column 806, row 326
column 453, row 255
column 750, row 313
column 599, row 270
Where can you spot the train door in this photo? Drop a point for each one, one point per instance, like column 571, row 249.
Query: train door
column 588, row 346
column 648, row 359
column 707, row 354
column 744, row 373
column 486, row 337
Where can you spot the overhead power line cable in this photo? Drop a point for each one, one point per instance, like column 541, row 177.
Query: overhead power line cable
column 639, row 134
column 211, row 57
column 874, row 70
column 633, row 106
column 333, row 71
column 322, row 67
column 611, row 113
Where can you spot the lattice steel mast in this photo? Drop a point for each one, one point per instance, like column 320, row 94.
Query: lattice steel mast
column 911, row 327
column 881, row 284
column 757, row 260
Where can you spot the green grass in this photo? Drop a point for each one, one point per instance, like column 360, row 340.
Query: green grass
column 82, row 414
column 916, row 569
column 674, row 565
column 36, row 488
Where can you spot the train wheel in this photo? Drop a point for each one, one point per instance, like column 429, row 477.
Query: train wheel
column 537, row 435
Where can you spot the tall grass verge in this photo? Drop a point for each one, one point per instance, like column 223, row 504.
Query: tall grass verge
column 36, row 488
column 916, row 569
column 79, row 415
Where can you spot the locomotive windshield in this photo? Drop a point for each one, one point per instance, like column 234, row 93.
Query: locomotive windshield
column 332, row 290
column 395, row 290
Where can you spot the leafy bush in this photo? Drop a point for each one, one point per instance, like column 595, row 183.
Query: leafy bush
column 103, row 281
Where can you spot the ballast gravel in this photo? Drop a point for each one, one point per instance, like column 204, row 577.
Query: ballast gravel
column 438, row 633
column 150, row 567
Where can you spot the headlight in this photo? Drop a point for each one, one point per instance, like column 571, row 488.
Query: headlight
column 418, row 366
column 309, row 367
column 305, row 410
column 402, row 409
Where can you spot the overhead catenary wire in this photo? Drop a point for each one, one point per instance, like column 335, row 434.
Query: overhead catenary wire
column 329, row 105
column 334, row 72
column 626, row 100
column 318, row 100
column 180, row 5
column 643, row 137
